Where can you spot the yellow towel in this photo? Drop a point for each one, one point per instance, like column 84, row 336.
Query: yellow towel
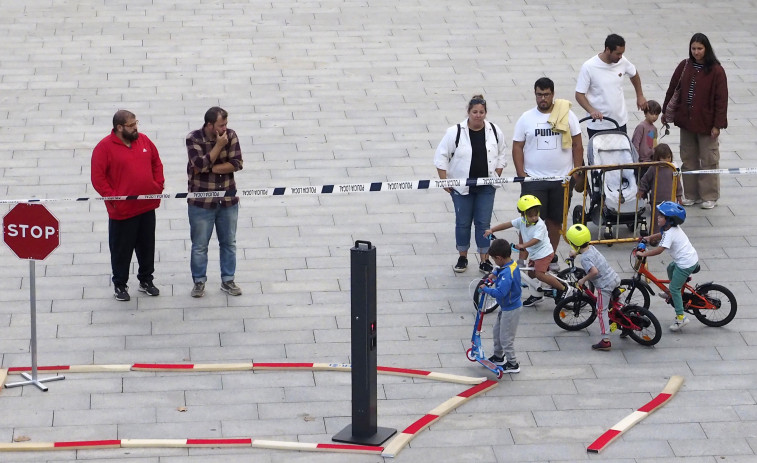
column 558, row 119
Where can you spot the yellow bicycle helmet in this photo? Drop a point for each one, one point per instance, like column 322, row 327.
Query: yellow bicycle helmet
column 526, row 202
column 577, row 236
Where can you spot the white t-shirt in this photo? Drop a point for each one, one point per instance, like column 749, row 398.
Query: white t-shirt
column 539, row 231
column 679, row 246
column 543, row 155
column 602, row 84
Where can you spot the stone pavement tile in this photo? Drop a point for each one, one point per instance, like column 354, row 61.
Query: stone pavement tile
column 166, row 383
column 215, row 455
column 312, row 410
column 529, row 435
column 69, row 433
column 171, row 430
column 264, row 429
column 210, row 413
column 710, row 446
column 104, row 416
column 235, row 354
column 723, row 430
column 546, row 452
column 230, row 396
column 738, row 352
column 472, row 453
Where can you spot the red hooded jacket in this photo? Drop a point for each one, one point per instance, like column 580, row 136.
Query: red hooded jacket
column 119, row 170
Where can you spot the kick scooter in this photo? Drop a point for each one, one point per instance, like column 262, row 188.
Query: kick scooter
column 476, row 352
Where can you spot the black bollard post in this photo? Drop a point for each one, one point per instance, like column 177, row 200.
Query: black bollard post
column 363, row 429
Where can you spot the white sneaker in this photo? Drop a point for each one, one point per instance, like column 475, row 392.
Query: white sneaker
column 708, row 204
column 690, row 202
column 679, row 323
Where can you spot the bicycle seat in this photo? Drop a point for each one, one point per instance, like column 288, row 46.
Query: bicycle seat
column 696, row 270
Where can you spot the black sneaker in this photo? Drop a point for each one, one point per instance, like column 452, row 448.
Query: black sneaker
column 510, row 367
column 485, row 267
column 532, row 300
column 497, row 360
column 462, row 264
column 624, row 334
column 122, row 293
column 149, row 288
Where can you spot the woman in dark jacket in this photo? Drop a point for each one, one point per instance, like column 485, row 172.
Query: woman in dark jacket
column 701, row 115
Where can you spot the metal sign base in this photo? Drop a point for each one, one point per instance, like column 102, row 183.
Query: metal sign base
column 33, row 379
column 382, row 434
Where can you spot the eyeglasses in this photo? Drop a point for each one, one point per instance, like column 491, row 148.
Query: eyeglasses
column 543, row 96
column 133, row 124
column 667, row 132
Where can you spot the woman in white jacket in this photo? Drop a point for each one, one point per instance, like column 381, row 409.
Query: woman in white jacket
column 472, row 149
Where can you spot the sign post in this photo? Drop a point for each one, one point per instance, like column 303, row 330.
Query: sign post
column 31, row 232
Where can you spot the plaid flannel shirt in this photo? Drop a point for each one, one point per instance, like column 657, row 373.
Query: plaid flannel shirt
column 199, row 174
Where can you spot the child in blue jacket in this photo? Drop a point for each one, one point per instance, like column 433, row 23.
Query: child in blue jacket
column 506, row 290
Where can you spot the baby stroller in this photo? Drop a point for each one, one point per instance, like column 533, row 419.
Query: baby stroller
column 611, row 193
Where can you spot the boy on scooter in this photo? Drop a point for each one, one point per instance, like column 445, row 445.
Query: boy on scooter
column 506, row 290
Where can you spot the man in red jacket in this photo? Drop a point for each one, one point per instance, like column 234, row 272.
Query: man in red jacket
column 127, row 163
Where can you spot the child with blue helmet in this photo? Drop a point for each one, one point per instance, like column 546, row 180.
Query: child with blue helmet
column 685, row 259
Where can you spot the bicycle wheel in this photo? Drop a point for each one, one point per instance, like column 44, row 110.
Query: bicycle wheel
column 721, row 298
column 575, row 312
column 490, row 303
column 647, row 330
column 634, row 294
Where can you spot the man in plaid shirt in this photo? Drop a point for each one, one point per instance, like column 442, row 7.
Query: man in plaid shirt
column 214, row 156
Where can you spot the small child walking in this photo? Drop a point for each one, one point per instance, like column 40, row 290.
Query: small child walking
column 685, row 258
column 506, row 290
column 533, row 232
column 657, row 183
column 599, row 271
column 645, row 135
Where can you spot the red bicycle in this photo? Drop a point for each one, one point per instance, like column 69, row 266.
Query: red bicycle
column 579, row 310
column 711, row 303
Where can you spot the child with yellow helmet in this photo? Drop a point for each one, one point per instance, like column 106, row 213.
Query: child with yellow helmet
column 599, row 271
column 535, row 240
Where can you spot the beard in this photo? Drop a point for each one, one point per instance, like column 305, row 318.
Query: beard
column 130, row 136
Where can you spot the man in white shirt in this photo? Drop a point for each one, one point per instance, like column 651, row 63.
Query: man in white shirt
column 599, row 89
column 538, row 151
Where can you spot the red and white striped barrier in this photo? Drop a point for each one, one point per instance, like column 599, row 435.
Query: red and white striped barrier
column 219, row 367
column 674, row 384
column 404, row 438
column 481, row 385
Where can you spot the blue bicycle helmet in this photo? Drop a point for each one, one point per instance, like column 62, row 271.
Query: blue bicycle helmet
column 673, row 212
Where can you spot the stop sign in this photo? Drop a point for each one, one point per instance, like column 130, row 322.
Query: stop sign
column 31, row 231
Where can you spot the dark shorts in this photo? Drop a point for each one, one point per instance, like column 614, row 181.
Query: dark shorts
column 550, row 194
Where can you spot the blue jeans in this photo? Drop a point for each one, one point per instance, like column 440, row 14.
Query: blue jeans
column 474, row 208
column 201, row 223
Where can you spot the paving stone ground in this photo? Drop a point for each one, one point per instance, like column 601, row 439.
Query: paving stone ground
column 325, row 92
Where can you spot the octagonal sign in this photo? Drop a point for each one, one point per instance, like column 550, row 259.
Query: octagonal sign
column 31, row 231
